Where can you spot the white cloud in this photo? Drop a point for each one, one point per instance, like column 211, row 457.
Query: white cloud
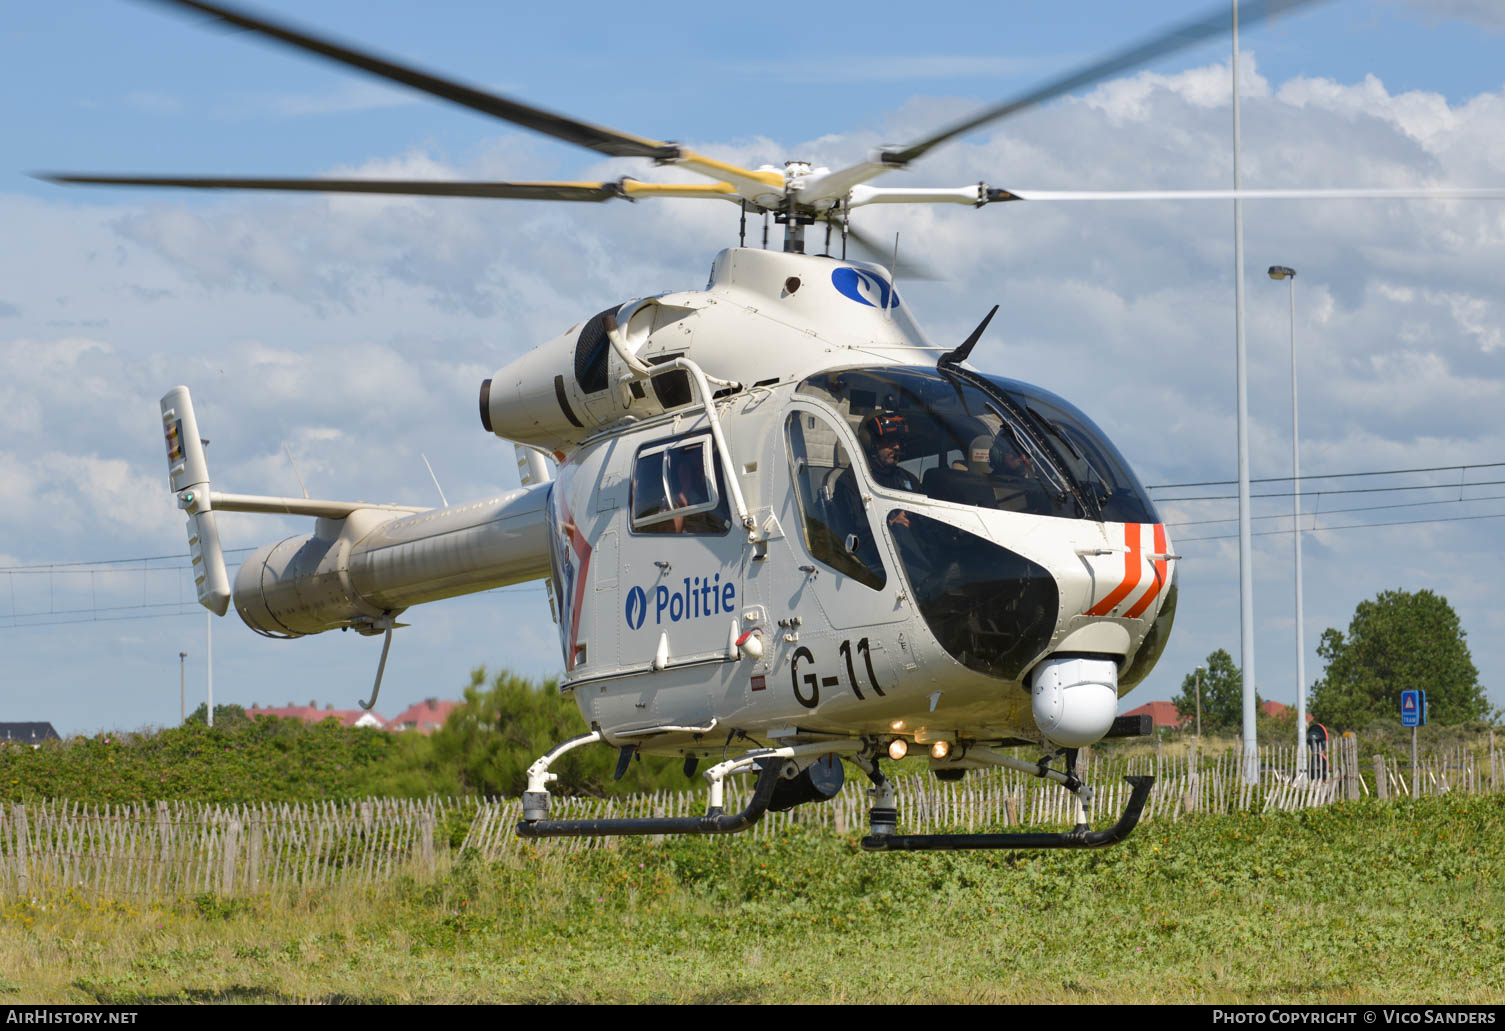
column 1128, row 99
column 357, row 331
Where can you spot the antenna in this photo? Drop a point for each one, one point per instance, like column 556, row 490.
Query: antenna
column 893, row 278
column 294, row 464
column 440, row 489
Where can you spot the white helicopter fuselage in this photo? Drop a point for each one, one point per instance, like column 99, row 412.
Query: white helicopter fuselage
column 757, row 565
column 680, row 630
column 780, row 514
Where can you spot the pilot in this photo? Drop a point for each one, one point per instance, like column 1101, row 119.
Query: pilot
column 1007, row 462
column 1013, row 476
column 690, row 488
column 883, row 437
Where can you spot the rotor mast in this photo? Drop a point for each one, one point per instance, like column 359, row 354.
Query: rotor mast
column 794, row 217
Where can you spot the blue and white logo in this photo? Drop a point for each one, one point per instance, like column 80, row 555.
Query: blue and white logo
column 864, row 287
column 637, row 607
column 693, row 598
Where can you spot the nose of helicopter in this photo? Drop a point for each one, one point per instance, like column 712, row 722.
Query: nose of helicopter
column 1001, row 591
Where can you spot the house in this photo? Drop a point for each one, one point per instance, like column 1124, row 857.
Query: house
column 27, row 733
column 425, row 717
column 1163, row 715
column 1281, row 711
column 311, row 713
column 1166, row 717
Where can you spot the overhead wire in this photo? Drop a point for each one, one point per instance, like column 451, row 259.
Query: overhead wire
column 1335, row 511
column 1343, row 490
column 114, row 561
column 1330, row 476
column 16, row 619
column 1347, row 526
column 146, row 610
column 1294, row 521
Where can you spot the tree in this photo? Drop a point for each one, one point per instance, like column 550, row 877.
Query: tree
column 500, row 729
column 1398, row 641
column 1222, row 694
column 225, row 716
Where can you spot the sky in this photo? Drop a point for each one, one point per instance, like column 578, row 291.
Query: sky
column 354, row 332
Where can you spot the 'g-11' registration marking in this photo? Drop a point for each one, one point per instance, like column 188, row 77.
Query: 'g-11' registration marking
column 813, row 682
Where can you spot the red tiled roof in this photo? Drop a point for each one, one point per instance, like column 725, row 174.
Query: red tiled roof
column 1163, row 714
column 314, row 714
column 1281, row 711
column 425, row 717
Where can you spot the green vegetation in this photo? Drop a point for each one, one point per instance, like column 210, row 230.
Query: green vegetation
column 1222, row 694
column 1398, row 641
column 1401, row 902
column 484, row 748
column 488, row 744
column 263, row 760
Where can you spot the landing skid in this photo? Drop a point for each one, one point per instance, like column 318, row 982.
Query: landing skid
column 883, row 818
column 773, row 765
column 883, row 838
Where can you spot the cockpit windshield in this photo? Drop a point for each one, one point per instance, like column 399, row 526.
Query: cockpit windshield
column 953, row 435
column 1089, row 456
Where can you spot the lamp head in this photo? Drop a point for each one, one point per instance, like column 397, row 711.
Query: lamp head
column 1282, row 272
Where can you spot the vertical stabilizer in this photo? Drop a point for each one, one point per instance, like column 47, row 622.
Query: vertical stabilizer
column 188, row 473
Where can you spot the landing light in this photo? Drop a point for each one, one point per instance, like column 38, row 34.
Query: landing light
column 940, row 749
column 897, row 725
column 898, row 748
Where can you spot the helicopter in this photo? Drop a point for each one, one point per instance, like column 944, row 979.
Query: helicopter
column 777, row 513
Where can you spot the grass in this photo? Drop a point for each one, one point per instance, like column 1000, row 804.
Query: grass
column 1399, row 902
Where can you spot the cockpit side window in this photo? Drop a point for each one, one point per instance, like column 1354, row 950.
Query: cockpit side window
column 834, row 519
column 677, row 487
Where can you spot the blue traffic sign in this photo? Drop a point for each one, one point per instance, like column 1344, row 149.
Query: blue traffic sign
column 1413, row 708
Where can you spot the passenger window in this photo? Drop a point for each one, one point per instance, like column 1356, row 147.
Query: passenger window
column 677, row 488
column 835, row 523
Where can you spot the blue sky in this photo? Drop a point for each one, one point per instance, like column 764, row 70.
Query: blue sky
column 356, row 331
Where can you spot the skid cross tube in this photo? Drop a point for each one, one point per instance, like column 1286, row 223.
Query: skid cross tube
column 772, row 765
column 715, row 820
column 1079, row 837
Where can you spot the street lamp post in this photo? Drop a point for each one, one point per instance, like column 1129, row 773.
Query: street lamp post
column 1279, row 272
column 1200, row 671
column 1245, row 519
column 182, row 688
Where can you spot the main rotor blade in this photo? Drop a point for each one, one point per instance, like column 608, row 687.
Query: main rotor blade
column 414, row 187
column 878, row 254
column 595, row 137
column 1177, row 38
column 1341, row 193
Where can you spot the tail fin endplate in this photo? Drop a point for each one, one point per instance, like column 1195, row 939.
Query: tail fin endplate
column 188, row 474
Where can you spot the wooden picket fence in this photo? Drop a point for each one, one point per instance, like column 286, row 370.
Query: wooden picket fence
column 178, row 848
column 164, row 849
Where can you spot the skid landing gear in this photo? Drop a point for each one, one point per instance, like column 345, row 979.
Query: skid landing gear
column 883, row 817
column 771, row 764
